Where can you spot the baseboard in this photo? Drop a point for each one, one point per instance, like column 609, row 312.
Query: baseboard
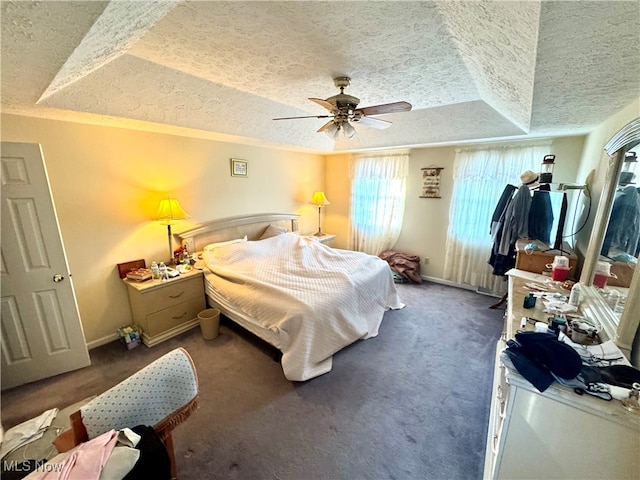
column 449, row 283
column 102, row 341
column 488, row 293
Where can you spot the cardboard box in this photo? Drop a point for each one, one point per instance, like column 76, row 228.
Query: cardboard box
column 624, row 272
column 536, row 260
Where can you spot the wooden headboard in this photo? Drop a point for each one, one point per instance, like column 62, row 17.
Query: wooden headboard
column 228, row 228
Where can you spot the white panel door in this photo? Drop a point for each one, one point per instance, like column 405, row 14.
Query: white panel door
column 41, row 331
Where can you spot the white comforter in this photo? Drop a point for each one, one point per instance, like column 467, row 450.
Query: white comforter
column 316, row 298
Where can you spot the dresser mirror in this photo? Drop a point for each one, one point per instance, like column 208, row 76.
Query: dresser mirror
column 611, row 241
column 622, row 237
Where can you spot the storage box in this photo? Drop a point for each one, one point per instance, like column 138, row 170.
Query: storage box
column 536, row 261
column 130, row 336
column 624, row 273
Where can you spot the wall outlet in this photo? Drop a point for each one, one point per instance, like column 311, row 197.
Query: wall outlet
column 426, row 260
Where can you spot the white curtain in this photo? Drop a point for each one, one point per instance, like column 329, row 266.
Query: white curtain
column 480, row 176
column 378, row 191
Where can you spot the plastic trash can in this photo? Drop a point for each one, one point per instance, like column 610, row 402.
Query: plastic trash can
column 209, row 323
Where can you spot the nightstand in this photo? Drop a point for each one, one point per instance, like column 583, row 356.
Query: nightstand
column 164, row 309
column 324, row 238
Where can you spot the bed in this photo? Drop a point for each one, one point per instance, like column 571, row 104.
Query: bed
column 305, row 298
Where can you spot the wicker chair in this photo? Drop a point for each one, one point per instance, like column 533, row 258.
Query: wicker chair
column 163, row 394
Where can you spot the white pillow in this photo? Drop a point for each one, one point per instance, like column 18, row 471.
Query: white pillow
column 272, row 231
column 212, row 246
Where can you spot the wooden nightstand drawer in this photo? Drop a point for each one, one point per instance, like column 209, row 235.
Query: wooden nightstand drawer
column 172, row 294
column 174, row 316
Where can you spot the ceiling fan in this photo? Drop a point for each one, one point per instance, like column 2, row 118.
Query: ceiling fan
column 344, row 110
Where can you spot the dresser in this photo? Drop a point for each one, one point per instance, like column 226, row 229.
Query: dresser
column 164, row 309
column 556, row 433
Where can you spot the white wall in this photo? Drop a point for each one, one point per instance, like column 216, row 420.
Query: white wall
column 107, row 183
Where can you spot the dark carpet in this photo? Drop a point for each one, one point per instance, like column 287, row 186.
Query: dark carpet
column 412, row 403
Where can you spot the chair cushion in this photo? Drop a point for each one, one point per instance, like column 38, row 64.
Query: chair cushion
column 145, row 398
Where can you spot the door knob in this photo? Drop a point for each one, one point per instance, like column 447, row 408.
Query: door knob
column 58, row 278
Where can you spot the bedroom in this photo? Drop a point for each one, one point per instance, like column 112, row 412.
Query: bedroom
column 107, row 178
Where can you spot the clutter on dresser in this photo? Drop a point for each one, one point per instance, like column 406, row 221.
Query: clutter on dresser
column 181, row 256
column 139, row 274
column 602, row 274
column 529, row 301
column 632, row 402
column 133, row 265
column 539, row 257
column 559, row 268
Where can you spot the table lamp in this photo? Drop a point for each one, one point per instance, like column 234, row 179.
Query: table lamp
column 319, row 200
column 169, row 211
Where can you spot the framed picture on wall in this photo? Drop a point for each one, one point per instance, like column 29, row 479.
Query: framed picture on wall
column 431, row 182
column 238, row 168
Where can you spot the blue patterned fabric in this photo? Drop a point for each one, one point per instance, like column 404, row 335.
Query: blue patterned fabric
column 145, row 398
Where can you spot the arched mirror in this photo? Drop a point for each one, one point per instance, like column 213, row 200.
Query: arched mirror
column 612, row 256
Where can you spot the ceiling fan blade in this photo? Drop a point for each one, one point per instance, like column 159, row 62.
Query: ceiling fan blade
column 374, row 122
column 324, row 103
column 386, row 108
column 310, row 116
column 325, row 126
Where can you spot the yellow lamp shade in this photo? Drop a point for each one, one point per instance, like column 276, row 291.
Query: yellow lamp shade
column 170, row 210
column 319, row 200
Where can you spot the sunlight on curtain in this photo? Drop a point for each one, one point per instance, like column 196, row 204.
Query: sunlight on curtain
column 479, row 177
column 378, row 191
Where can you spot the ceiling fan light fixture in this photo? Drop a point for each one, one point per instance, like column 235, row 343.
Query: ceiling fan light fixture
column 332, row 131
column 349, row 131
column 343, row 108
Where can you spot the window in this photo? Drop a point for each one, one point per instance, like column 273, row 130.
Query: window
column 378, row 190
column 479, row 177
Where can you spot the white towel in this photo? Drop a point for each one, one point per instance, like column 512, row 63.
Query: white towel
column 26, row 432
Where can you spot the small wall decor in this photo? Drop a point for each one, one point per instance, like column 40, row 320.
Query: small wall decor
column 238, row 168
column 431, row 182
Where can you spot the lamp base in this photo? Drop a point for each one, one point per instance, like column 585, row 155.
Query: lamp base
column 170, row 262
column 319, row 233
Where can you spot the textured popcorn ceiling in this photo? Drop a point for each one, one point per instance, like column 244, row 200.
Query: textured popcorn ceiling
column 223, row 70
